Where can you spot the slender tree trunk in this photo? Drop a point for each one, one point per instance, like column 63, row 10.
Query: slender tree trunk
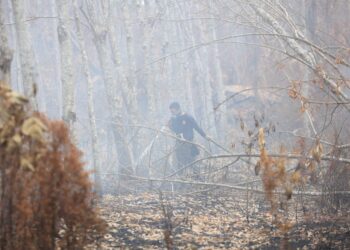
column 162, row 96
column 149, row 74
column 64, row 28
column 125, row 156
column 116, row 55
column 186, row 73
column 5, row 53
column 211, row 85
column 202, row 80
column 29, row 74
column 92, row 116
column 176, row 93
column 5, row 66
column 15, row 69
column 124, row 153
column 131, row 79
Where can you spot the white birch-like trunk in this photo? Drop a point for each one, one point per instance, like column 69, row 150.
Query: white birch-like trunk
column 149, row 74
column 131, row 80
column 28, row 68
column 162, row 66
column 173, row 82
column 202, row 79
column 5, row 53
column 186, row 75
column 64, row 37
column 112, row 21
column 91, row 110
column 114, row 102
column 208, row 85
column 125, row 156
column 16, row 75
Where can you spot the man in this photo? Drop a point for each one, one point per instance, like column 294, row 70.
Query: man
column 183, row 125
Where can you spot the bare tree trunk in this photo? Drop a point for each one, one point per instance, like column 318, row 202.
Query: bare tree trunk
column 16, row 72
column 126, row 81
column 112, row 22
column 5, row 66
column 176, row 93
column 202, row 80
column 131, row 79
column 5, row 53
column 125, row 156
column 162, row 96
column 186, row 73
column 213, row 85
column 64, row 28
column 149, row 74
column 92, row 116
column 29, row 74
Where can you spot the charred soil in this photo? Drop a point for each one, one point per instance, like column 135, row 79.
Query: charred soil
column 198, row 221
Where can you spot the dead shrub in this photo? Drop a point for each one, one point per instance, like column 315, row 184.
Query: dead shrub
column 46, row 196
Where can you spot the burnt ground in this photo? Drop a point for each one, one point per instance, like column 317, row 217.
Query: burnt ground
column 218, row 221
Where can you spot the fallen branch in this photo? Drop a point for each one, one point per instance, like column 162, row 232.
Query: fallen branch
column 315, row 193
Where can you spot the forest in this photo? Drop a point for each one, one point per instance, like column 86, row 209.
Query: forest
column 174, row 124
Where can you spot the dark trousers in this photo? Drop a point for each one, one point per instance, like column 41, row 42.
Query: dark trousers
column 186, row 154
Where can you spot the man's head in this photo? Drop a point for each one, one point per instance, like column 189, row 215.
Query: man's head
column 175, row 108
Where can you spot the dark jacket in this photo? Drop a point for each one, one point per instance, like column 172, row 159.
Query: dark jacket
column 183, row 126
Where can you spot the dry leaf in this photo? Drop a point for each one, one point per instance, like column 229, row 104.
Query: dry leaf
column 296, row 177
column 261, row 138
column 317, row 151
column 26, row 164
column 16, row 98
column 34, row 128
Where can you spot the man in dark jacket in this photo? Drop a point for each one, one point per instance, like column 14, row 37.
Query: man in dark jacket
column 182, row 125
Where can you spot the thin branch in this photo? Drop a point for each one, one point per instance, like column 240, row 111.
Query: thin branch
column 244, row 90
column 33, row 19
column 232, row 187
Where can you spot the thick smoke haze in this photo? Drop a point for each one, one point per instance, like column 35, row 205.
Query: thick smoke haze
column 266, row 81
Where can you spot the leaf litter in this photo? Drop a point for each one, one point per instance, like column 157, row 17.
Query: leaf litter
column 216, row 221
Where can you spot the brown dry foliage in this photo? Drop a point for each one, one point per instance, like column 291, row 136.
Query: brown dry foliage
column 46, row 196
column 276, row 179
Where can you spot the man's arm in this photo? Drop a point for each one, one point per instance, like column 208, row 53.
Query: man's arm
column 196, row 126
column 172, row 126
